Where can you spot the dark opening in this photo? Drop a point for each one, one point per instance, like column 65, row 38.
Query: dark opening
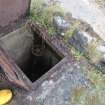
column 42, row 59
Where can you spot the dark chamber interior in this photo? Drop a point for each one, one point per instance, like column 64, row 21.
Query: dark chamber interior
column 42, row 59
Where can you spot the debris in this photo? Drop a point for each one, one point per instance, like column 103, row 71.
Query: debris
column 80, row 40
column 60, row 24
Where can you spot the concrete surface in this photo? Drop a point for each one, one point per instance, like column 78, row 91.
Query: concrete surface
column 19, row 44
column 53, row 88
column 68, row 79
column 11, row 10
column 88, row 11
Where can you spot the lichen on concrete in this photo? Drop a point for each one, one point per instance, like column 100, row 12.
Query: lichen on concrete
column 59, row 91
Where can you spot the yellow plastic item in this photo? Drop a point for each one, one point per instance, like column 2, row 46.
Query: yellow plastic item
column 5, row 96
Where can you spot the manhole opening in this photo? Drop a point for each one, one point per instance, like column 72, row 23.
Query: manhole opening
column 42, row 59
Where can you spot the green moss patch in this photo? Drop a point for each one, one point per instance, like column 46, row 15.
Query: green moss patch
column 43, row 13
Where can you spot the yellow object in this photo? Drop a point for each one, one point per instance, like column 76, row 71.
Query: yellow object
column 5, row 96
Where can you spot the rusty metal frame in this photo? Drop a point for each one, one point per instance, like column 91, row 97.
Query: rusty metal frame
column 11, row 69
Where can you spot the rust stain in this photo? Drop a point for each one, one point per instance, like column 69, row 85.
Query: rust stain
column 10, row 69
column 11, row 10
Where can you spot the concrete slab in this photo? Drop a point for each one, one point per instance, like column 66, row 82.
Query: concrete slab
column 64, row 84
column 19, row 44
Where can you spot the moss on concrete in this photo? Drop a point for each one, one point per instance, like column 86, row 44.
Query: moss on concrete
column 43, row 13
column 94, row 95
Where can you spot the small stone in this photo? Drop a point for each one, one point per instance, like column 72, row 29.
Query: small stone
column 62, row 34
column 101, row 50
column 84, row 37
column 80, row 40
column 29, row 98
column 60, row 24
